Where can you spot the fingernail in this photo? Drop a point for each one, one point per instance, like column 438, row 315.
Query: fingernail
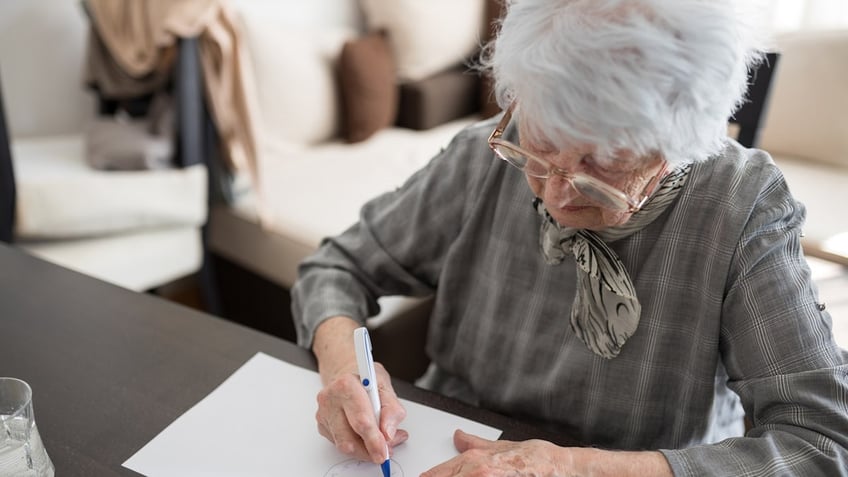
column 391, row 431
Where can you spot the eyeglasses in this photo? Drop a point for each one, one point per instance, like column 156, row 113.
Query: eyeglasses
column 597, row 191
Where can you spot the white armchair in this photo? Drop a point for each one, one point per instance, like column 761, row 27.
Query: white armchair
column 136, row 229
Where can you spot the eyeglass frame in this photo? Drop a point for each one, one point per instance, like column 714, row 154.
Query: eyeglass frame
column 630, row 205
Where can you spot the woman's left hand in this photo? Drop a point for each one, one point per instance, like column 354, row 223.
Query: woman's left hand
column 536, row 458
column 480, row 456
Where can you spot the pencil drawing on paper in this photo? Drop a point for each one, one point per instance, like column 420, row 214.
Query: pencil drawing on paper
column 358, row 468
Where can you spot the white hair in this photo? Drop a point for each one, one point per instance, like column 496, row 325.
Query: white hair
column 648, row 76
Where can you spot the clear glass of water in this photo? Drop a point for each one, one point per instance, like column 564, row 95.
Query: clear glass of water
column 21, row 451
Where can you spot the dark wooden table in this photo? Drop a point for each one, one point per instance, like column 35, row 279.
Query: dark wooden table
column 111, row 368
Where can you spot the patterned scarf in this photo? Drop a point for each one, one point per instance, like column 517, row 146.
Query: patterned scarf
column 606, row 310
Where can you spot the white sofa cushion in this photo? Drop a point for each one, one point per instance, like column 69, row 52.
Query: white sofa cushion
column 338, row 178
column 60, row 196
column 301, row 14
column 808, row 109
column 139, row 260
column 294, row 70
column 316, row 192
column 42, row 45
column 428, row 37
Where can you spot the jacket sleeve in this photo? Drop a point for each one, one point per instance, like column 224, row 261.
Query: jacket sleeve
column 399, row 244
column 778, row 348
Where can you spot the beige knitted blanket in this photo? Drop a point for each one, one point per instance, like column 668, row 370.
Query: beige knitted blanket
column 132, row 49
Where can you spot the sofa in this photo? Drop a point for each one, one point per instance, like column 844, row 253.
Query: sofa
column 806, row 131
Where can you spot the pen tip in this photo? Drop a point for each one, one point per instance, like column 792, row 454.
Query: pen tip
column 387, row 468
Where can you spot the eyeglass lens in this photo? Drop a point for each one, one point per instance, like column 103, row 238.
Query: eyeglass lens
column 585, row 185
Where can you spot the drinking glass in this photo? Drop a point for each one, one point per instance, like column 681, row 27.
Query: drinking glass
column 21, row 451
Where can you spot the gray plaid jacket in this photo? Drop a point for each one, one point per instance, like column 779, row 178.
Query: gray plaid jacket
column 730, row 318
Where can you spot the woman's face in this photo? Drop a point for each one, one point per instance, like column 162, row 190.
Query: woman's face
column 626, row 172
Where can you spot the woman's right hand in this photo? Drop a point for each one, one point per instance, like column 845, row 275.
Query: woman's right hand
column 345, row 416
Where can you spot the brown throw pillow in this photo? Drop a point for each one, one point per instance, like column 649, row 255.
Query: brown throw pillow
column 368, row 86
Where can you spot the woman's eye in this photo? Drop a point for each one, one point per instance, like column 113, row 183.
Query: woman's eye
column 591, row 161
column 602, row 167
column 544, row 150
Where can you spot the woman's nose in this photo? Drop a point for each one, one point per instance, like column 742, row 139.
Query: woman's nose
column 559, row 192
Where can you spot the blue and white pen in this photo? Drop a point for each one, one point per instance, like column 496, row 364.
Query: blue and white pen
column 365, row 363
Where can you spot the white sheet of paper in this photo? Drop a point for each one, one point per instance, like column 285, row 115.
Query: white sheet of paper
column 261, row 422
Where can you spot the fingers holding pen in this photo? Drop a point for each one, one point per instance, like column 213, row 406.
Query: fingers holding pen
column 379, row 439
column 362, row 420
column 342, row 395
column 392, row 412
column 346, row 418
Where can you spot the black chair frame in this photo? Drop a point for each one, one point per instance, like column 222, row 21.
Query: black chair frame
column 750, row 117
column 7, row 179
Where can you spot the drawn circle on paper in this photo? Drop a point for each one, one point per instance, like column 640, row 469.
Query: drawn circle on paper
column 358, row 468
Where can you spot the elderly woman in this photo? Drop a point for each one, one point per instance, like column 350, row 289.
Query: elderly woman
column 604, row 261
